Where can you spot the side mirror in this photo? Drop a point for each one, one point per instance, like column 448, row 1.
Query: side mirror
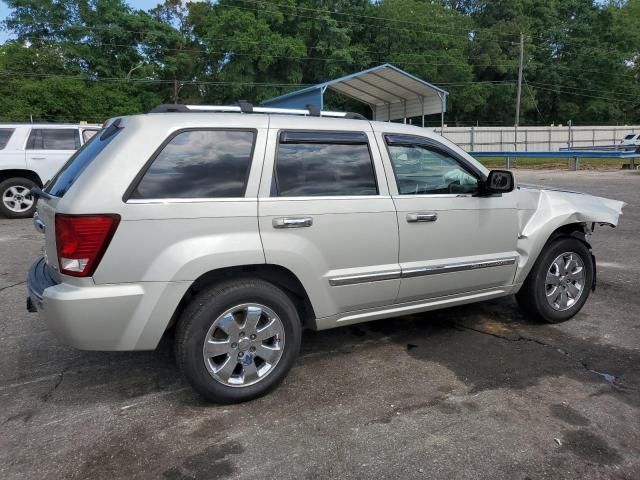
column 499, row 181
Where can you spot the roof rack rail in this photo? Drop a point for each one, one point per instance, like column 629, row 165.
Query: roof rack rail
column 245, row 107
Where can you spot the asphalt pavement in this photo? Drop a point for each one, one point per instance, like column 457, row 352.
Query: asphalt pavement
column 476, row 392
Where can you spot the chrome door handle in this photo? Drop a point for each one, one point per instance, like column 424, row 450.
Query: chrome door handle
column 422, row 217
column 292, row 222
column 37, row 158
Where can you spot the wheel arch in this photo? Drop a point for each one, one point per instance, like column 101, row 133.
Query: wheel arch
column 577, row 230
column 276, row 274
column 20, row 173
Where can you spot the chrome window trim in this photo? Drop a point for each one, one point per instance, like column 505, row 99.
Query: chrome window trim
column 456, row 267
column 364, row 278
column 325, row 197
column 190, row 200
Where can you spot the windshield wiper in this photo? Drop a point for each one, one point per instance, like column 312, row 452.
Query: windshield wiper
column 38, row 192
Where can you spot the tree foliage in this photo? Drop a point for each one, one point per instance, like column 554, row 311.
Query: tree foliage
column 92, row 59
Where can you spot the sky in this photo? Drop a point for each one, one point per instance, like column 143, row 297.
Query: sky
column 136, row 4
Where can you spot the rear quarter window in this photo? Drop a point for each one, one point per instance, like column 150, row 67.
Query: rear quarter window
column 5, row 135
column 78, row 163
column 199, row 164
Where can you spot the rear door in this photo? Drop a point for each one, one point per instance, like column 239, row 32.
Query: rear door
column 326, row 215
column 452, row 241
column 47, row 149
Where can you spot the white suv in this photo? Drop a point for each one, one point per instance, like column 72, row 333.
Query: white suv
column 241, row 229
column 632, row 139
column 30, row 154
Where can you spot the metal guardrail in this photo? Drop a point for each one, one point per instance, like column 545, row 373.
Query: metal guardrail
column 575, row 155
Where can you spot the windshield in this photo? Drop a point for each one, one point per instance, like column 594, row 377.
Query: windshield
column 629, row 137
column 79, row 161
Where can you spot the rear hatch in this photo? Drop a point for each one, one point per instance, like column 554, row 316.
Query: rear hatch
column 63, row 181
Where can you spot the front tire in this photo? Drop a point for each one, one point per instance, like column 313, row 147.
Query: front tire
column 16, row 200
column 560, row 281
column 237, row 340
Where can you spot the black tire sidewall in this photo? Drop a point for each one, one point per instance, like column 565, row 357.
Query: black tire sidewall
column 16, row 181
column 536, row 287
column 202, row 312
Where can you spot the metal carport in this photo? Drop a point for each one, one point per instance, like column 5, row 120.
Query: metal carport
column 390, row 92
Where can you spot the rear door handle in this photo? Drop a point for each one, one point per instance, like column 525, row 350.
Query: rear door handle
column 422, row 217
column 292, row 222
column 38, row 158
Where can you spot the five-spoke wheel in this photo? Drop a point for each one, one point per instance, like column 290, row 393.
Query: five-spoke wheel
column 16, row 200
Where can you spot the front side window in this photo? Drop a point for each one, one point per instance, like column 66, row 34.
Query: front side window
column 423, row 169
column 200, row 164
column 53, row 139
column 324, row 164
column 5, row 135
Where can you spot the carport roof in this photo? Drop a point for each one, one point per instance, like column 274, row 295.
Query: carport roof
column 391, row 93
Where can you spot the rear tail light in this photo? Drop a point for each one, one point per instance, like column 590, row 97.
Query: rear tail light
column 81, row 241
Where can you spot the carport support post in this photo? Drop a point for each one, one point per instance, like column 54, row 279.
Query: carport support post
column 422, row 104
column 507, row 162
column 443, row 105
column 576, row 163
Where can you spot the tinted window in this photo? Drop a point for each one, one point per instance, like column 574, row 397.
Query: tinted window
column 422, row 169
column 324, row 163
column 53, row 139
column 200, row 164
column 5, row 135
column 78, row 162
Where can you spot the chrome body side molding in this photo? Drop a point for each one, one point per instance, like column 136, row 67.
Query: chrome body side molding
column 456, row 267
column 364, row 278
column 419, row 271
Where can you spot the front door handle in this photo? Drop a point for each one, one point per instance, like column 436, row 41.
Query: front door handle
column 292, row 222
column 422, row 217
column 38, row 158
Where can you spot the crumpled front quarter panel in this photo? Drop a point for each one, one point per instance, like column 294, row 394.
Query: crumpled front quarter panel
column 541, row 212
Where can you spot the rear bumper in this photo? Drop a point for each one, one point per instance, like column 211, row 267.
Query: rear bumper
column 127, row 316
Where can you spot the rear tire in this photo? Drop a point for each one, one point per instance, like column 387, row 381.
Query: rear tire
column 560, row 281
column 237, row 340
column 16, row 200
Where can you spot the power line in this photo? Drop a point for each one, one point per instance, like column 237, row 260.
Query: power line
column 567, row 92
column 535, row 103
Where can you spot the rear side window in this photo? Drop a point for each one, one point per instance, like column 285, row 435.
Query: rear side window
column 78, row 162
column 199, row 164
column 53, row 139
column 323, row 164
column 5, row 135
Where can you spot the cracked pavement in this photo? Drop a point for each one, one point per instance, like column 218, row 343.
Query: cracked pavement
column 475, row 392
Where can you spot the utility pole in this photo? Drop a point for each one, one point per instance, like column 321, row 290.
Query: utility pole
column 520, row 79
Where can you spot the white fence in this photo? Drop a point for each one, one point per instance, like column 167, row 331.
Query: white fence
column 523, row 139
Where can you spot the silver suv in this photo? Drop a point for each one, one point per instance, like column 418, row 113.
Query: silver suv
column 241, row 226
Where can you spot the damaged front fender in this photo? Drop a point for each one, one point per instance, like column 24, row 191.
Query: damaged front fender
column 543, row 211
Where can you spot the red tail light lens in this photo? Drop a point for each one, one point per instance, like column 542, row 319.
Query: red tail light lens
column 81, row 241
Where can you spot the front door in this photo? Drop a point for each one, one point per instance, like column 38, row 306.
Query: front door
column 451, row 240
column 326, row 215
